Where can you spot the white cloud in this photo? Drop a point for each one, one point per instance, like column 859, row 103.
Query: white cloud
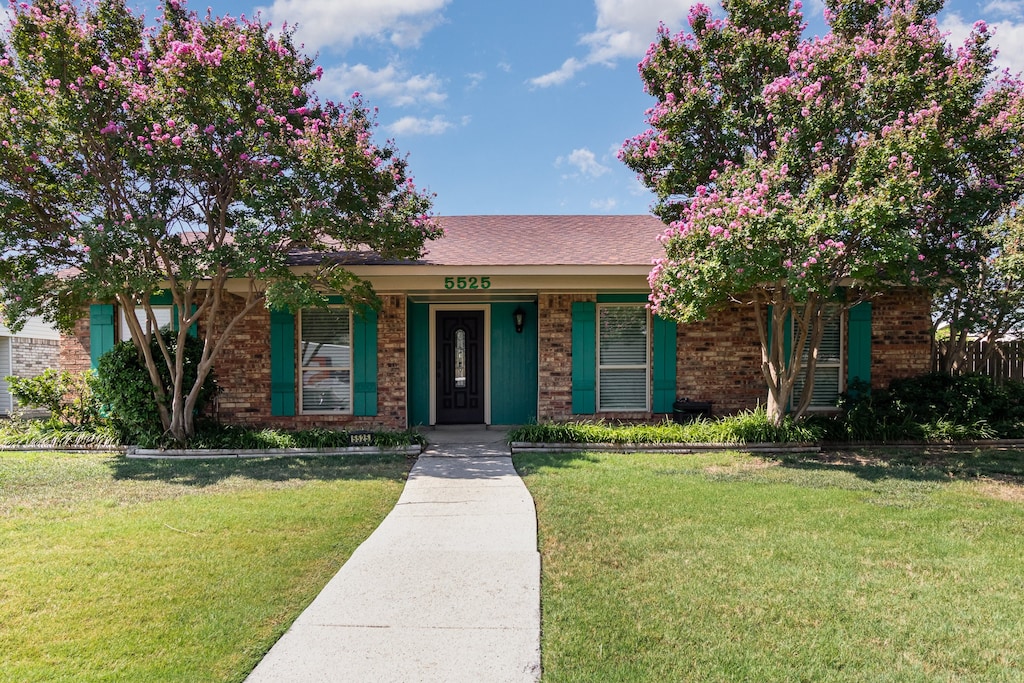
column 390, row 84
column 585, row 163
column 412, row 125
column 606, row 205
column 1010, row 8
column 625, row 29
column 1008, row 38
column 339, row 23
column 475, row 79
column 561, row 75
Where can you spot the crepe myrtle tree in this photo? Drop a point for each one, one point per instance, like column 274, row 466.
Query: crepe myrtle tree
column 985, row 300
column 188, row 158
column 800, row 176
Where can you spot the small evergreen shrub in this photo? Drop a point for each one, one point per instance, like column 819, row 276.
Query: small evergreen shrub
column 125, row 390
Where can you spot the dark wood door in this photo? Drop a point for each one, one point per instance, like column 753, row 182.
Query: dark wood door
column 460, row 367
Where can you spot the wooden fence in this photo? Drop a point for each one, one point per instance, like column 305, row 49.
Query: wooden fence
column 1007, row 361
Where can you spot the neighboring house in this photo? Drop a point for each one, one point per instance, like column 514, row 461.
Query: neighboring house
column 26, row 354
column 509, row 319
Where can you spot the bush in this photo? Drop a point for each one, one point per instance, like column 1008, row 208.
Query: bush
column 933, row 407
column 126, row 392
column 69, row 398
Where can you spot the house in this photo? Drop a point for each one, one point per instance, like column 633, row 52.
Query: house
column 26, row 354
column 509, row 319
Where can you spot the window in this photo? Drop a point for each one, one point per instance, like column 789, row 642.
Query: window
column 161, row 314
column 828, row 373
column 622, row 366
column 325, row 347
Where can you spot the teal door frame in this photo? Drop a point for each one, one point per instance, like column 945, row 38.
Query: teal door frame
column 510, row 358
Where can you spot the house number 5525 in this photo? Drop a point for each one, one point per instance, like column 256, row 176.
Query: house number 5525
column 463, row 282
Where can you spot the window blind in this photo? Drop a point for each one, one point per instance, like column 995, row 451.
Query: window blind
column 827, row 374
column 161, row 314
column 622, row 357
column 325, row 347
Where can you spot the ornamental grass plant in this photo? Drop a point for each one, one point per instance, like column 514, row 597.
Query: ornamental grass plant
column 752, row 426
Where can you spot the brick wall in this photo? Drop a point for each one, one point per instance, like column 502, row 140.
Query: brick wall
column 243, row 374
column 243, row 370
column 74, row 348
column 901, row 342
column 554, row 354
column 243, row 367
column 392, row 367
column 719, row 360
column 29, row 357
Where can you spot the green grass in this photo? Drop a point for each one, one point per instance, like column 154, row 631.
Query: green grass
column 901, row 566
column 122, row 570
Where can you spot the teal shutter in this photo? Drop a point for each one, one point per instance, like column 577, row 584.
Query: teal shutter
column 101, row 331
column 858, row 356
column 584, row 357
column 664, row 366
column 418, row 362
column 364, row 361
column 282, row 363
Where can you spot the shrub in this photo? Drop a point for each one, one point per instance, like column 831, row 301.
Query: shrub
column 932, row 407
column 68, row 397
column 126, row 391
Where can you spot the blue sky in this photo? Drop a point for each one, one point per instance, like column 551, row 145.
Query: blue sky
column 519, row 107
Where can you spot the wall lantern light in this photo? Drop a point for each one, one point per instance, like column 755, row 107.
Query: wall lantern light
column 519, row 316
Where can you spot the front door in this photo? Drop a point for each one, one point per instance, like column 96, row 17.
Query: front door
column 460, row 367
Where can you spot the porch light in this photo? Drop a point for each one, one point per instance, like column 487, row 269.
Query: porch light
column 519, row 316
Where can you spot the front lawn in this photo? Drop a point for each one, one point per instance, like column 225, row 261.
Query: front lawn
column 127, row 570
column 901, row 566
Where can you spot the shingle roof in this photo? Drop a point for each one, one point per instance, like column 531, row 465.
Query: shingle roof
column 526, row 241
column 546, row 240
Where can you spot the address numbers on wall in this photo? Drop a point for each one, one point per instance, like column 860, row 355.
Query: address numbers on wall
column 468, row 282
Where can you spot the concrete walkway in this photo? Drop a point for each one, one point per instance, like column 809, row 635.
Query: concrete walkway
column 446, row 589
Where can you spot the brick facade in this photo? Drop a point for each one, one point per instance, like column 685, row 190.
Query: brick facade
column 901, row 340
column 30, row 356
column 554, row 354
column 718, row 360
column 74, row 348
column 243, row 374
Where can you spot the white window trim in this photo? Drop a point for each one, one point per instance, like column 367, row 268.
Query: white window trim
column 646, row 366
column 840, row 363
column 302, row 370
